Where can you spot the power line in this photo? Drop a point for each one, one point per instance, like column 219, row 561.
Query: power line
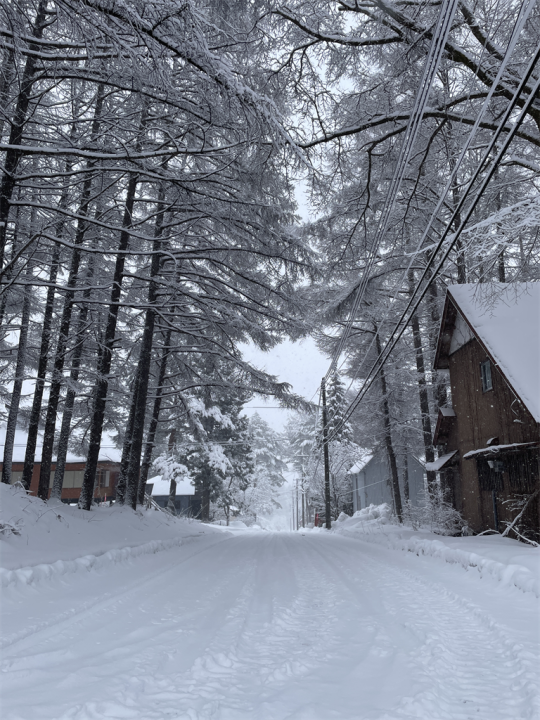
column 436, row 50
column 523, row 15
column 392, row 341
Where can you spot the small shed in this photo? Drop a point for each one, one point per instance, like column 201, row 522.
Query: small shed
column 371, row 480
column 186, row 502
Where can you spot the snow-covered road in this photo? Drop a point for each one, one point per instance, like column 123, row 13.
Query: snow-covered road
column 264, row 626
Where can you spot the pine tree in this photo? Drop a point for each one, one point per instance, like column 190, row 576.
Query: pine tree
column 338, row 430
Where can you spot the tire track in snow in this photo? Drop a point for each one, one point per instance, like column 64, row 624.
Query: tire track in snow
column 471, row 669
column 277, row 627
column 261, row 646
column 93, row 606
column 27, row 664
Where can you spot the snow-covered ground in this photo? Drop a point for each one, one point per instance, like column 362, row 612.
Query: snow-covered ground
column 202, row 623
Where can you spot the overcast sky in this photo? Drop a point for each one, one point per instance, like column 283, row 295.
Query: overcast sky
column 298, row 363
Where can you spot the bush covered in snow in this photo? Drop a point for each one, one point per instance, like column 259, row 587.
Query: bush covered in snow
column 436, row 514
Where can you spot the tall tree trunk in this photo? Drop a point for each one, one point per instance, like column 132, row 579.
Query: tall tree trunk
column 460, row 255
column 439, row 383
column 35, row 412
column 10, row 271
column 102, row 383
column 154, row 420
column 205, row 500
column 423, row 394
column 500, row 259
column 145, row 359
column 394, row 478
column 14, row 153
column 65, row 322
column 121, row 485
column 11, row 424
column 406, row 489
column 6, row 76
column 71, row 393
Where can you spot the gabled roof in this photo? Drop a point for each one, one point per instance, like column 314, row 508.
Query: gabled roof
column 506, row 321
column 360, row 465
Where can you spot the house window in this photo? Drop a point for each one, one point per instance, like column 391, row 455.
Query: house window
column 485, row 372
column 104, row 478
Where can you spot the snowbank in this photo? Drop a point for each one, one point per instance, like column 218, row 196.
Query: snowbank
column 509, row 561
column 52, row 539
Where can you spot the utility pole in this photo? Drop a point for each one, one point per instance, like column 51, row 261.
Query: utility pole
column 326, row 459
column 296, row 501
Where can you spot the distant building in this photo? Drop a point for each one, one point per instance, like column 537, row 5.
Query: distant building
column 372, row 485
column 489, row 438
column 107, row 473
column 186, row 502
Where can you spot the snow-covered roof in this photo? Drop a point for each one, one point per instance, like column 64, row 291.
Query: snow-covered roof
column 509, row 328
column 438, row 464
column 494, row 449
column 161, row 487
column 447, row 412
column 108, row 452
column 360, row 465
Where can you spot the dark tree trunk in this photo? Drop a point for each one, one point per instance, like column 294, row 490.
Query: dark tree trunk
column 406, row 490
column 461, row 265
column 126, row 448
column 154, row 420
column 71, row 394
column 328, row 518
column 172, row 496
column 35, row 412
column 143, row 370
column 205, row 500
column 102, row 383
column 394, row 478
column 11, row 424
column 423, row 395
column 65, row 323
column 501, row 268
column 6, row 76
column 439, row 383
column 4, row 330
column 14, row 153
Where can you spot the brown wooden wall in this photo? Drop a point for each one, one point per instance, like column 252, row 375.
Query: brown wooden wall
column 72, row 494
column 479, row 417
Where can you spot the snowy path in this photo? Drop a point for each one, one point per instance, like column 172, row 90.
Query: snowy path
column 264, row 626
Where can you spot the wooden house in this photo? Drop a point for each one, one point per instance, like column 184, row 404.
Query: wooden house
column 107, row 473
column 488, row 441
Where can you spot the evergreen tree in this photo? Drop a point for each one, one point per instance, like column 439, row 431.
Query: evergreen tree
column 269, row 466
column 338, row 431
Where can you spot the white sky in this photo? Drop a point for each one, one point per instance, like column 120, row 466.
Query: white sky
column 298, row 363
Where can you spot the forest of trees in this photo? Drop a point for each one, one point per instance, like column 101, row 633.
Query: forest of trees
column 149, row 156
